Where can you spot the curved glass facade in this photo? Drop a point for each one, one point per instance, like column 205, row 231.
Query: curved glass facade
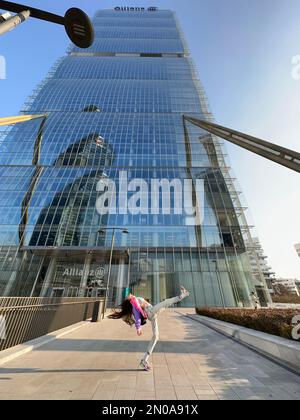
column 116, row 110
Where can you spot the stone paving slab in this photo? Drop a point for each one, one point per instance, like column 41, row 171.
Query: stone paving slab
column 100, row 361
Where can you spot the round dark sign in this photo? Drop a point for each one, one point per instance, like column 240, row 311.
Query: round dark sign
column 79, row 28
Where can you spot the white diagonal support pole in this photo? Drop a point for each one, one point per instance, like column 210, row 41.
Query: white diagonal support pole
column 281, row 155
column 19, row 119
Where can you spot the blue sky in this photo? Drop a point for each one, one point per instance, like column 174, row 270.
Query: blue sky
column 243, row 50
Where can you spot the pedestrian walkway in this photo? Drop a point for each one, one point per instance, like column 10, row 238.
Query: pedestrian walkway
column 100, row 361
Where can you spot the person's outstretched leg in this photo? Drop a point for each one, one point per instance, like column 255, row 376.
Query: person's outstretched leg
column 153, row 313
column 157, row 309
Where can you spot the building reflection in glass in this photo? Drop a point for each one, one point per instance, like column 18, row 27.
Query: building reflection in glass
column 119, row 106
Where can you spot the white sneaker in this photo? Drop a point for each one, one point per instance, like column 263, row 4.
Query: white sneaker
column 145, row 365
column 184, row 293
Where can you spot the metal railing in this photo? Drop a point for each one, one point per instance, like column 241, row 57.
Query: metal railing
column 24, row 319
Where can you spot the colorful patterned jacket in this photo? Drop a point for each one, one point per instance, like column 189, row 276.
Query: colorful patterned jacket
column 137, row 311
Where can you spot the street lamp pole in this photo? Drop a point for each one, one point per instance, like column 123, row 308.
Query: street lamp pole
column 109, row 269
column 13, row 21
column 103, row 230
column 77, row 24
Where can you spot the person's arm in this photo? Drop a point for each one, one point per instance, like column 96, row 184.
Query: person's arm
column 137, row 318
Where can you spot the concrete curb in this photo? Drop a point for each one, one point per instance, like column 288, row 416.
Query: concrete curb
column 280, row 350
column 21, row 349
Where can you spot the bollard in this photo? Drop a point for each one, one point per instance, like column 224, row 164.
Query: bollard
column 97, row 313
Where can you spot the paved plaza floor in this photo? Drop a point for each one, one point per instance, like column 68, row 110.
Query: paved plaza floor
column 100, row 361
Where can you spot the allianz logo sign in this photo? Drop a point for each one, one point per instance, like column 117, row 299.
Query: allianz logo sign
column 97, row 273
column 136, row 9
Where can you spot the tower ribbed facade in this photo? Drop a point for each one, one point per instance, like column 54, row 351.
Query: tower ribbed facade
column 117, row 108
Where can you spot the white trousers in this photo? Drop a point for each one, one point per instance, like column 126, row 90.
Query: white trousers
column 153, row 312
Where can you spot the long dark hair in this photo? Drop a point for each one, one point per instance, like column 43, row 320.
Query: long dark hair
column 124, row 312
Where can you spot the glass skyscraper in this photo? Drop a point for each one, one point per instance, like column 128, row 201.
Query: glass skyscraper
column 117, row 108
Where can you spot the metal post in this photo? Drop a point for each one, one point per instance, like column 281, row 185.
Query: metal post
column 110, row 259
column 281, row 155
column 77, row 24
column 14, row 21
column 109, row 271
column 34, row 13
